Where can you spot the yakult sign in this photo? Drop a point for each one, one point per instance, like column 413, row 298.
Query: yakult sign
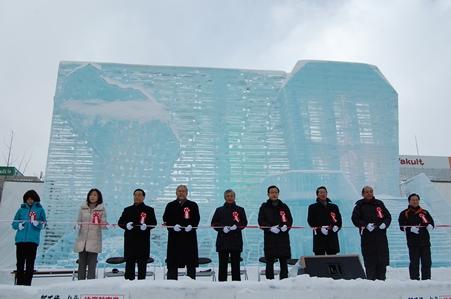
column 425, row 162
column 406, row 161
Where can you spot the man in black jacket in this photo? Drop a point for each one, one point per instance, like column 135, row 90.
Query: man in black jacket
column 373, row 219
column 137, row 220
column 182, row 218
column 417, row 222
column 274, row 218
column 325, row 219
column 228, row 221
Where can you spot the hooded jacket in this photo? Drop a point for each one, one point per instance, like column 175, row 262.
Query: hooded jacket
column 24, row 215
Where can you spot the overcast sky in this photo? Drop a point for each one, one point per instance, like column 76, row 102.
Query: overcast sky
column 410, row 42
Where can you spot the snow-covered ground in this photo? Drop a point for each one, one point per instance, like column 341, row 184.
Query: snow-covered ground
column 397, row 285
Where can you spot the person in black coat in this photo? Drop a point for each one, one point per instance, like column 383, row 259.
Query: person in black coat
column 417, row 222
column 228, row 221
column 137, row 220
column 325, row 219
column 274, row 218
column 373, row 219
column 181, row 216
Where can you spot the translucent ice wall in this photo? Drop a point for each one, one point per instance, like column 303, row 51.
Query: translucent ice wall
column 120, row 127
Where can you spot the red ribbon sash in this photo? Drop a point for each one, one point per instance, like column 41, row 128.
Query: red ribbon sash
column 95, row 218
column 283, row 216
column 142, row 218
column 32, row 216
column 334, row 217
column 186, row 212
column 423, row 218
column 236, row 216
column 379, row 212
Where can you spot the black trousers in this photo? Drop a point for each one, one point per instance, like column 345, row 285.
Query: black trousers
column 25, row 255
column 269, row 272
column 173, row 272
column 417, row 254
column 130, row 268
column 224, row 257
column 325, row 251
column 375, row 271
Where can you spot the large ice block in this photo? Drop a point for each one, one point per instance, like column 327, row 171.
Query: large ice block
column 120, row 127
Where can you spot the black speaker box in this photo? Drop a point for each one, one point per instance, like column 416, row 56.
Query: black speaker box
column 333, row 266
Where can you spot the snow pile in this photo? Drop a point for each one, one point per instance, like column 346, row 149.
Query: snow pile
column 397, row 286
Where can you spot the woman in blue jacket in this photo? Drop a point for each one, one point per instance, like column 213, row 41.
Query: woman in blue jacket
column 29, row 220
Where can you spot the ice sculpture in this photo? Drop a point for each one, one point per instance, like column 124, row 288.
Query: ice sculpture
column 119, row 127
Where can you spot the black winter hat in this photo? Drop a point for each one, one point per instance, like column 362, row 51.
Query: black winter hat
column 33, row 194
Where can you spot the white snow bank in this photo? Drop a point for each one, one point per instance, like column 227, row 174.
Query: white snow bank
column 396, row 286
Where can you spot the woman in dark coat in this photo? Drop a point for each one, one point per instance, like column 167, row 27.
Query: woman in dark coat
column 417, row 222
column 373, row 219
column 182, row 217
column 325, row 219
column 274, row 217
column 137, row 220
column 228, row 221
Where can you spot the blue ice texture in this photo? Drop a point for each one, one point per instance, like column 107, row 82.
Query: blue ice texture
column 120, row 127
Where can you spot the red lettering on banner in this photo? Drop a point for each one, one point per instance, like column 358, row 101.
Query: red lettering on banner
column 101, row 297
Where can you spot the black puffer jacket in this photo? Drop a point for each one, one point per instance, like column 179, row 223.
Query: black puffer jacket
column 228, row 215
column 271, row 214
column 374, row 244
column 416, row 216
column 324, row 215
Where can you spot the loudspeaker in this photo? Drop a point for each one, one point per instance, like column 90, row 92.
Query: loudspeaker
column 333, row 266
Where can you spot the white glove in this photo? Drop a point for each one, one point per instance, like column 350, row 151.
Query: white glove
column 177, row 228
column 284, row 228
column 370, row 227
column 129, row 225
column 143, row 226
column 415, row 230
column 324, row 230
column 429, row 227
column 35, row 223
column 382, row 226
column 233, row 227
column 226, row 229
column 188, row 228
column 21, row 226
column 275, row 229
column 77, row 226
column 335, row 228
